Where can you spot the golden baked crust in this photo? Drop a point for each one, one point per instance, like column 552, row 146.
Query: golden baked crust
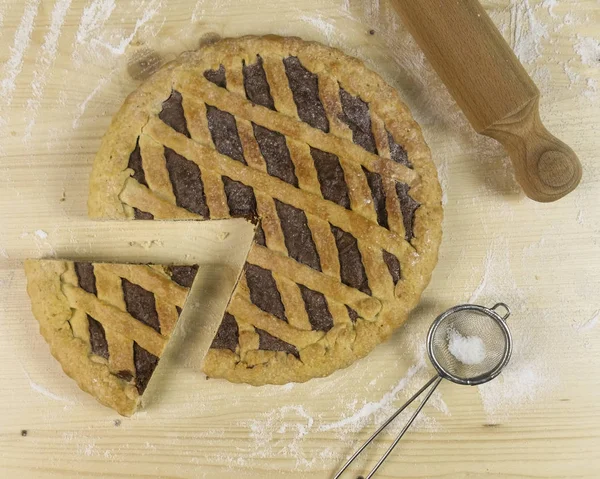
column 94, row 329
column 275, row 338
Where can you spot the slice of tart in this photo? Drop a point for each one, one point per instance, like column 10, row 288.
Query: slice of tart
column 108, row 324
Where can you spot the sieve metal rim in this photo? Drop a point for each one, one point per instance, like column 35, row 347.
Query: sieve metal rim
column 500, row 320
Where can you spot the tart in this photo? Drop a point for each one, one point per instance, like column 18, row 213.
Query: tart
column 323, row 157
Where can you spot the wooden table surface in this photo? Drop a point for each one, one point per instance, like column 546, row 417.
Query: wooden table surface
column 66, row 66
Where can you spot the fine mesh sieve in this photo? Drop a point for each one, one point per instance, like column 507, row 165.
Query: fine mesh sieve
column 468, row 344
column 470, row 321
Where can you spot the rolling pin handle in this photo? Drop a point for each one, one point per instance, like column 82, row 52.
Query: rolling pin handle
column 546, row 168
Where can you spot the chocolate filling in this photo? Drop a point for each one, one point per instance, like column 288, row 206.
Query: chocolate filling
column 224, row 133
column 331, row 177
column 263, row 291
column 393, row 266
column 356, row 116
column 305, row 90
column 268, row 342
column 140, row 304
column 227, row 336
column 142, row 215
column 86, row 277
column 297, row 235
column 353, row 314
column 256, row 84
column 184, row 275
column 408, row 207
column 240, row 199
column 317, row 309
column 378, row 193
column 87, row 282
column 98, row 341
column 172, row 113
column 397, row 152
column 274, row 150
column 145, row 364
column 259, row 236
column 217, row 76
column 135, row 163
column 352, row 270
column 187, row 183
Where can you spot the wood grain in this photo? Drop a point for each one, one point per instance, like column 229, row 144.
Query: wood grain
column 493, row 89
column 543, row 260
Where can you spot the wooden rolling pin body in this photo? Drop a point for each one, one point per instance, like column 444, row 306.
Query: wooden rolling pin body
column 493, row 90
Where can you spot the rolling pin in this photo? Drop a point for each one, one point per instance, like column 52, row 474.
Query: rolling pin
column 493, row 89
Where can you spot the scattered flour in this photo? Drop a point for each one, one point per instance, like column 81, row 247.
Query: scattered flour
column 550, row 5
column 40, row 239
column 106, row 46
column 469, row 350
column 93, row 19
column 2, row 6
column 568, row 19
column 87, row 449
column 44, row 391
column 529, row 34
column 83, row 105
column 371, row 8
column 358, row 420
column 591, row 91
column 528, row 376
column 146, row 244
column 523, row 381
column 321, row 23
column 291, row 430
column 198, row 11
column 149, row 11
column 13, row 66
column 43, row 63
column 590, row 323
column 527, row 31
column 442, row 168
column 571, row 75
column 272, row 433
column 41, row 234
column 588, row 50
column 487, row 271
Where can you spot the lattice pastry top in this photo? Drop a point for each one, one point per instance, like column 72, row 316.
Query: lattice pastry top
column 322, row 155
column 108, row 324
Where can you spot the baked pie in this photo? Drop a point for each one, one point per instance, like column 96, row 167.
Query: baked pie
column 323, row 157
column 108, row 324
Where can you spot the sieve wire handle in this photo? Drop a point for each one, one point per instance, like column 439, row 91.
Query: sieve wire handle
column 435, row 380
column 506, row 308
